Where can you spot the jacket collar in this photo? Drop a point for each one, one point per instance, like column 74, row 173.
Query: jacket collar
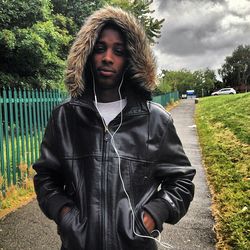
column 135, row 105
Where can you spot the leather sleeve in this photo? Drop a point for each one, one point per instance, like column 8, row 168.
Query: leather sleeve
column 176, row 174
column 48, row 180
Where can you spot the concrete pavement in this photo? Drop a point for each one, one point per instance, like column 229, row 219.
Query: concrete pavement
column 194, row 231
column 27, row 228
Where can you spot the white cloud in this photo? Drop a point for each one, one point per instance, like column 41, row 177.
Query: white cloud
column 200, row 34
column 191, row 62
column 240, row 7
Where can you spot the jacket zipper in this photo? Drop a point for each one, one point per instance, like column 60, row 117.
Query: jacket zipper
column 104, row 188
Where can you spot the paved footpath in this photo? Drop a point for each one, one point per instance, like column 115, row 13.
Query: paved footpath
column 194, row 231
column 27, row 228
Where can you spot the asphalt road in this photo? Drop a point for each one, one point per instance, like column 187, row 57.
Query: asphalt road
column 27, row 228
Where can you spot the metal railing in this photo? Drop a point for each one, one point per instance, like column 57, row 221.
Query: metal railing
column 167, row 98
column 23, row 117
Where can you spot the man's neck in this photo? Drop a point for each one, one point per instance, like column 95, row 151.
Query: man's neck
column 107, row 95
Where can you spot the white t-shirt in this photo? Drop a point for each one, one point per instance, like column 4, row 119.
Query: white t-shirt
column 109, row 110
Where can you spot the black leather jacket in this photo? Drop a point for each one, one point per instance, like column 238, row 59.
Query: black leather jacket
column 78, row 167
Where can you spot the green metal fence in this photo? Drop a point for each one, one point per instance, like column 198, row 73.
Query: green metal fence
column 167, row 98
column 23, row 117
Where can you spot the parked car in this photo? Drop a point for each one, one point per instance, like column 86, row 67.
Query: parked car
column 225, row 91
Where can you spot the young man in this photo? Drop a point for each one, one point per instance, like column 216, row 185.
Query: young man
column 112, row 168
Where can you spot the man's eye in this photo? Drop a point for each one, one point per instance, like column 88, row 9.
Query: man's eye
column 119, row 51
column 99, row 48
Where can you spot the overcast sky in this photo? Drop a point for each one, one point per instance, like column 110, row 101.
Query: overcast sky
column 200, row 33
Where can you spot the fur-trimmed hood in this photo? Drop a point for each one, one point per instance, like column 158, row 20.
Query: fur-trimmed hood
column 141, row 68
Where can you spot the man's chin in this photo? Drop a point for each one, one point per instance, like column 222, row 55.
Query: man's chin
column 106, row 85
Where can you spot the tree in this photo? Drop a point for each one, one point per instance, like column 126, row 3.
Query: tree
column 76, row 10
column 23, row 14
column 236, row 69
column 35, row 37
column 32, row 47
column 204, row 82
column 79, row 10
column 176, row 80
column 141, row 9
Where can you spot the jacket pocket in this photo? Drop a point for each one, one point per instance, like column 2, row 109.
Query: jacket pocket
column 73, row 231
column 139, row 180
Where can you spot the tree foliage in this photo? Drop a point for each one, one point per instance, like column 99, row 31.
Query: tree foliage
column 236, row 69
column 202, row 81
column 33, row 44
column 35, row 36
column 23, row 14
column 176, row 80
column 79, row 10
column 141, row 9
column 76, row 10
column 205, row 81
column 234, row 72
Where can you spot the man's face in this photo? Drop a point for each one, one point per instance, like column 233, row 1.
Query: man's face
column 109, row 58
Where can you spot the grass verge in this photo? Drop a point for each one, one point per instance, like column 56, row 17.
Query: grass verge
column 172, row 105
column 18, row 195
column 223, row 124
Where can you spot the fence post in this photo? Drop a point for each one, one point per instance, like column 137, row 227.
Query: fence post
column 6, row 136
column 21, row 105
column 48, row 105
column 45, row 108
column 42, row 113
column 27, row 153
column 54, row 98
column 31, row 136
column 2, row 176
column 33, row 101
column 38, row 115
column 13, row 151
column 17, row 137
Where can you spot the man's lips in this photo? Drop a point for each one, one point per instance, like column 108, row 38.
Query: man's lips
column 106, row 72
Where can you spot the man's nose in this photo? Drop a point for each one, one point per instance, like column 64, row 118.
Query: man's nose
column 108, row 56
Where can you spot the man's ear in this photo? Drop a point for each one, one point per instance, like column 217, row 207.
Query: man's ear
column 88, row 71
column 126, row 67
column 89, row 63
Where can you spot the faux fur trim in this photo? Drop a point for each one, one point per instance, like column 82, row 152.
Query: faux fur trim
column 142, row 66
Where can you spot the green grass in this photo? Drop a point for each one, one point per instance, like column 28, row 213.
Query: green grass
column 14, row 195
column 18, row 195
column 223, row 124
column 232, row 111
column 24, row 155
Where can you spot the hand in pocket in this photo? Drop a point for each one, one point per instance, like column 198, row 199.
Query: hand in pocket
column 72, row 230
column 148, row 222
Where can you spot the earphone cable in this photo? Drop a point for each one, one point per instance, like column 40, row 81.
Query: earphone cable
column 164, row 244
